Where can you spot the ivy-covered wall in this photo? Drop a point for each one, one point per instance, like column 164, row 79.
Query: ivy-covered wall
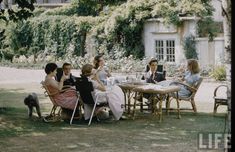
column 114, row 25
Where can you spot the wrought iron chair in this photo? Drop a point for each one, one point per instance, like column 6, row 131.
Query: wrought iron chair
column 218, row 100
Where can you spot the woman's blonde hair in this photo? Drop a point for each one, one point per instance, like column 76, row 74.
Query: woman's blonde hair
column 194, row 66
column 87, row 69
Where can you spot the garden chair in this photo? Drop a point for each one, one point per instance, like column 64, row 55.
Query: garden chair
column 55, row 113
column 218, row 100
column 190, row 99
column 85, row 88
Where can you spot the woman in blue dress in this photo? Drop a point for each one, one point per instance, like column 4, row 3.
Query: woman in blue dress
column 191, row 77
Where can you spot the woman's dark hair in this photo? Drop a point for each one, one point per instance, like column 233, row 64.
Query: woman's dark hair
column 50, row 67
column 96, row 61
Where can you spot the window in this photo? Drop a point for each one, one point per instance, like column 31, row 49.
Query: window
column 159, row 50
column 165, row 50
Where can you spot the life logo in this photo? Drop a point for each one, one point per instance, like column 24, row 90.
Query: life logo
column 214, row 140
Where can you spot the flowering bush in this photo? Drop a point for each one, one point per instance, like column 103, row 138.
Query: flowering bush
column 219, row 73
column 117, row 28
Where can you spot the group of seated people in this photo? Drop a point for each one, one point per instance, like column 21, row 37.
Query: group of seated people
column 190, row 76
column 97, row 74
column 62, row 84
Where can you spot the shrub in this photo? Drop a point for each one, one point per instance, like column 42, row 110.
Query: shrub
column 219, row 73
column 207, row 27
column 190, row 47
column 6, row 55
column 55, row 29
column 21, row 36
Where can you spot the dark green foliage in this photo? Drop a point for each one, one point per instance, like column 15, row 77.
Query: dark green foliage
column 68, row 11
column 55, row 33
column 55, row 30
column 128, row 34
column 6, row 55
column 20, row 38
column 85, row 7
column 190, row 47
column 2, row 37
column 207, row 27
column 130, row 38
column 93, row 7
column 174, row 19
column 25, row 11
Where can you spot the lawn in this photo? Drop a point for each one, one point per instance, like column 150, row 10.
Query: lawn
column 145, row 133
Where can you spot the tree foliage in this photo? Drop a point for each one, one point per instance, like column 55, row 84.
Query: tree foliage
column 23, row 11
column 190, row 47
column 85, row 7
column 113, row 25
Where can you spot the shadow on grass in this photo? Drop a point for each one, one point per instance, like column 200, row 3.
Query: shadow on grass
column 15, row 122
column 14, row 97
column 145, row 133
column 14, row 119
column 11, row 98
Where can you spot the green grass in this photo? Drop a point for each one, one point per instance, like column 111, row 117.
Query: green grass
column 145, row 133
column 15, row 122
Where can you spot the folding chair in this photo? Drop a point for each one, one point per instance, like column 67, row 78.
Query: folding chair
column 55, row 115
column 193, row 89
column 85, row 88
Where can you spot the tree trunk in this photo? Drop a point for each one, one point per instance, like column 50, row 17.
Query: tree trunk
column 5, row 4
column 83, row 44
column 226, row 12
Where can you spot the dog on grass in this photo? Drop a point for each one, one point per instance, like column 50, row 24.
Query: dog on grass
column 32, row 101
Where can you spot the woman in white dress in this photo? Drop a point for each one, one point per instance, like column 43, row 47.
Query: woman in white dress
column 114, row 97
column 102, row 71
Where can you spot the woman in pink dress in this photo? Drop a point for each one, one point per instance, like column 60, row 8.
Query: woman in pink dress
column 64, row 98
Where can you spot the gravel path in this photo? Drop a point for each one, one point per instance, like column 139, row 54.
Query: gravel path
column 29, row 80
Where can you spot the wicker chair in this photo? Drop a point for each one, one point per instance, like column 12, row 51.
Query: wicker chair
column 190, row 99
column 219, row 100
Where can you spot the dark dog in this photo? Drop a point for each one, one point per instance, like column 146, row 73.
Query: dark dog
column 32, row 101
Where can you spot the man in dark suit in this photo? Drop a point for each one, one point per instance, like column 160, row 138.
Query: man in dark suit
column 66, row 70
column 153, row 76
